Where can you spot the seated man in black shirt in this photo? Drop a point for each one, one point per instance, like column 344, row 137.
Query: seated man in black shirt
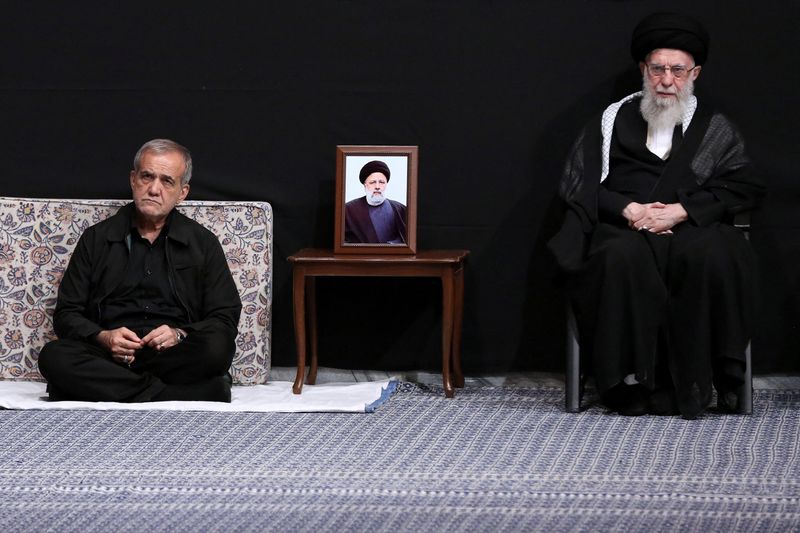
column 147, row 308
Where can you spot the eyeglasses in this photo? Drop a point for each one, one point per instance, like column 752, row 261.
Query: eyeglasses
column 678, row 71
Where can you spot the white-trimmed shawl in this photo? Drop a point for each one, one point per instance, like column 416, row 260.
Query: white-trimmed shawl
column 610, row 115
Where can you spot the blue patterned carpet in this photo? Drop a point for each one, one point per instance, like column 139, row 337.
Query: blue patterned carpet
column 492, row 459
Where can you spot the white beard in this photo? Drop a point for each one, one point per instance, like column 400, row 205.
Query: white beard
column 661, row 113
column 375, row 199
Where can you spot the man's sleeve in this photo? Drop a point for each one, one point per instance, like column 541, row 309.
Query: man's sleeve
column 221, row 302
column 610, row 204
column 70, row 317
column 569, row 244
column 728, row 184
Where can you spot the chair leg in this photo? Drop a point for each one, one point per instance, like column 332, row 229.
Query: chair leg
column 746, row 391
column 572, row 381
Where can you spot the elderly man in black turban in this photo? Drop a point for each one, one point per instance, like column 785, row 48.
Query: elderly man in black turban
column 373, row 218
column 660, row 279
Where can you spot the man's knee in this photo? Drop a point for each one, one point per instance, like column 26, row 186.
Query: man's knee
column 215, row 348
column 46, row 357
column 60, row 356
column 716, row 250
column 52, row 357
column 626, row 253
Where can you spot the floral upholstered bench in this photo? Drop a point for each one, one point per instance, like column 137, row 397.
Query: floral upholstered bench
column 37, row 237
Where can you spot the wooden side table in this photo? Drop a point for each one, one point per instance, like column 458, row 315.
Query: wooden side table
column 448, row 265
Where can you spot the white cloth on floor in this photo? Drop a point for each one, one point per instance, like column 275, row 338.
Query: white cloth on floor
column 274, row 396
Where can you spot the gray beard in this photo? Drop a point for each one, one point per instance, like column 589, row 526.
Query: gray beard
column 375, row 199
column 660, row 113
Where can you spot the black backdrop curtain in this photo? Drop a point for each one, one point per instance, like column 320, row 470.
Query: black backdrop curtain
column 491, row 92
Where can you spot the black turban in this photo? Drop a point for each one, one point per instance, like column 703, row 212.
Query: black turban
column 373, row 166
column 670, row 30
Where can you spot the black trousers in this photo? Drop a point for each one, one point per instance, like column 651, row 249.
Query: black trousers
column 191, row 370
column 671, row 309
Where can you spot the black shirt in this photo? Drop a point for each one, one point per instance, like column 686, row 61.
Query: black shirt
column 145, row 299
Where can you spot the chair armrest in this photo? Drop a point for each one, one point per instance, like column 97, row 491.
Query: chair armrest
column 742, row 220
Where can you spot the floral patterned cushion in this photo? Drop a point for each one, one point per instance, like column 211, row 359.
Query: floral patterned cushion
column 37, row 237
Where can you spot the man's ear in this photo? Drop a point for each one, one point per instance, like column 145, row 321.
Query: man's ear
column 642, row 67
column 184, row 192
column 696, row 72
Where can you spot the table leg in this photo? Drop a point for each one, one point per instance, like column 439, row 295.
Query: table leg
column 299, row 301
column 458, row 320
column 447, row 330
column 311, row 312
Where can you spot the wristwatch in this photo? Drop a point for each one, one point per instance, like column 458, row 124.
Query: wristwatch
column 179, row 335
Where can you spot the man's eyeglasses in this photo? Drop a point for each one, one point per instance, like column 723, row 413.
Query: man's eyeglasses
column 678, row 71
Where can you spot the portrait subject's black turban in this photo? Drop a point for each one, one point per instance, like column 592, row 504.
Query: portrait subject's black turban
column 373, row 166
column 670, row 30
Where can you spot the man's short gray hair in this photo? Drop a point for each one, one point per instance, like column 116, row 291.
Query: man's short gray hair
column 161, row 146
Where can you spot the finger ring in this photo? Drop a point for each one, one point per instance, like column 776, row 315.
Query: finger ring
column 645, row 228
column 161, row 346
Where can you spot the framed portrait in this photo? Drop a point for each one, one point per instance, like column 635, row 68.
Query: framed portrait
column 376, row 200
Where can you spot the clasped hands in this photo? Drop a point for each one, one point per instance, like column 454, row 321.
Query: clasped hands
column 654, row 217
column 123, row 343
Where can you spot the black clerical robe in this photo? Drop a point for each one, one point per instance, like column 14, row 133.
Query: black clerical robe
column 358, row 223
column 671, row 309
